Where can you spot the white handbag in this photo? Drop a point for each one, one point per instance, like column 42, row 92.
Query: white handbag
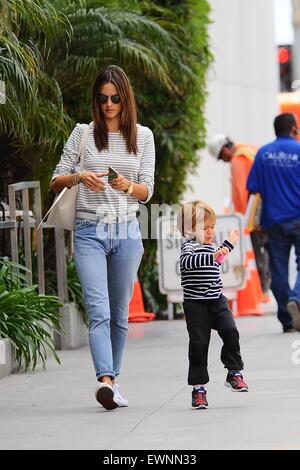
column 62, row 213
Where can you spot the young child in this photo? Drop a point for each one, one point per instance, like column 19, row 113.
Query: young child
column 204, row 305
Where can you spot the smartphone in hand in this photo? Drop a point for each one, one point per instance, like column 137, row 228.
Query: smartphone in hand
column 112, row 174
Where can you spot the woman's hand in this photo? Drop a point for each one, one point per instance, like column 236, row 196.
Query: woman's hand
column 121, row 183
column 234, row 236
column 93, row 181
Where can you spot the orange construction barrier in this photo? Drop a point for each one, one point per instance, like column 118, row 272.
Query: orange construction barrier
column 251, row 295
column 136, row 307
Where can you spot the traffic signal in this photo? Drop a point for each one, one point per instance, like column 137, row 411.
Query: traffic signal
column 284, row 58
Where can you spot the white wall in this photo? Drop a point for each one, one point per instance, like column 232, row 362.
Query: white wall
column 242, row 85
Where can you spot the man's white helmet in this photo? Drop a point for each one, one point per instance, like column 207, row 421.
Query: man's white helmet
column 216, row 143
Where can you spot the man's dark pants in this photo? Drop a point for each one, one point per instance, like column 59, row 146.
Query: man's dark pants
column 281, row 238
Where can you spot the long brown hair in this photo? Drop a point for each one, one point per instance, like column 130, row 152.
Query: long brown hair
column 117, row 76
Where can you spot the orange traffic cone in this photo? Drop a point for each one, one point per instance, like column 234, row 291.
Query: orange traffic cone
column 251, row 295
column 136, row 307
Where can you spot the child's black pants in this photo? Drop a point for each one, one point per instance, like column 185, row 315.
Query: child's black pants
column 201, row 317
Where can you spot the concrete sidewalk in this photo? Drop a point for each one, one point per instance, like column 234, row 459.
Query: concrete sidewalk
column 56, row 409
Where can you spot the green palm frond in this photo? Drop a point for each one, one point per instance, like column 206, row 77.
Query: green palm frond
column 117, row 37
column 28, row 31
column 40, row 17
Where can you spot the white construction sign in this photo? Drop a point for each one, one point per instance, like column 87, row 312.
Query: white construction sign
column 168, row 254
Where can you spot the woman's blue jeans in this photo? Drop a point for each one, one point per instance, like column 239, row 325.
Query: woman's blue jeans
column 281, row 238
column 107, row 258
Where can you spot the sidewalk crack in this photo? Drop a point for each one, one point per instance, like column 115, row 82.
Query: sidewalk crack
column 145, row 418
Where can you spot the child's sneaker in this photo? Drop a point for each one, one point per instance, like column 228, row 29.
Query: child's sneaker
column 105, row 396
column 199, row 399
column 235, row 382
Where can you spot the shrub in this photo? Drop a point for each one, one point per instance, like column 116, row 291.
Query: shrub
column 26, row 317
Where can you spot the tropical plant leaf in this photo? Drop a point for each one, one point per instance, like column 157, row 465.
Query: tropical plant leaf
column 27, row 318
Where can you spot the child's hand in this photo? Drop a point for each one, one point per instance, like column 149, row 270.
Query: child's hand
column 221, row 252
column 234, row 236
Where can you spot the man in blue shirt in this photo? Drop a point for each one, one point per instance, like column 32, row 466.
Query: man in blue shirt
column 275, row 174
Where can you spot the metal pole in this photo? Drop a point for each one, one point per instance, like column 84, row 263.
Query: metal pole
column 27, row 235
column 61, row 274
column 40, row 245
column 170, row 311
column 13, row 230
column 61, row 269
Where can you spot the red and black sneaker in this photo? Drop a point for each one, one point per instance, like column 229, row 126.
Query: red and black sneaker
column 235, row 382
column 199, row 399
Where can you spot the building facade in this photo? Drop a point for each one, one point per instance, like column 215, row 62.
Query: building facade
column 242, row 85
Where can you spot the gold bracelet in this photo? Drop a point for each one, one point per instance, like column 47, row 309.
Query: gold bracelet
column 78, row 176
column 130, row 188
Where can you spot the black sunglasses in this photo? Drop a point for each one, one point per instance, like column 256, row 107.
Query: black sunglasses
column 102, row 99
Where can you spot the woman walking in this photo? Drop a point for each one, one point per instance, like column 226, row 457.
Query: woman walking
column 107, row 242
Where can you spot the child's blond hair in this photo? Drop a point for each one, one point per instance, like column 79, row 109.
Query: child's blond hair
column 193, row 213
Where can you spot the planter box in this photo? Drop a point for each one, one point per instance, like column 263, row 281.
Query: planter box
column 5, row 357
column 73, row 336
column 8, row 362
column 74, row 333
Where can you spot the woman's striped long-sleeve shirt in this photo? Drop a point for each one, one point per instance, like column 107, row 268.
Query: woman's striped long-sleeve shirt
column 138, row 168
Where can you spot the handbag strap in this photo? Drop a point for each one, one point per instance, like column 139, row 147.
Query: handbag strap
column 81, row 152
column 82, row 145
